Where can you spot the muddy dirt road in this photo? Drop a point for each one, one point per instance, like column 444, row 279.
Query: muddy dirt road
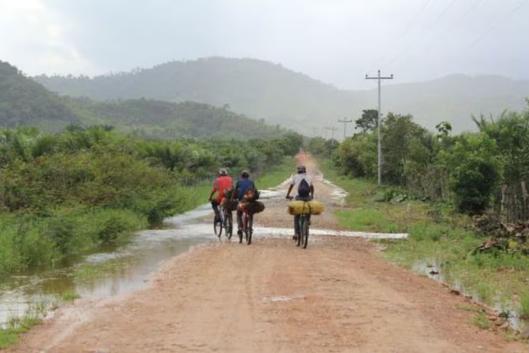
column 339, row 295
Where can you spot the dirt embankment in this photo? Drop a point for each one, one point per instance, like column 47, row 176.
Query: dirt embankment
column 336, row 296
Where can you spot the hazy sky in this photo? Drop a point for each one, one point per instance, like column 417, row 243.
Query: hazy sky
column 336, row 41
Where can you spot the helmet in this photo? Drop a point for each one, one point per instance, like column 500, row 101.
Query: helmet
column 245, row 174
column 301, row 169
column 223, row 171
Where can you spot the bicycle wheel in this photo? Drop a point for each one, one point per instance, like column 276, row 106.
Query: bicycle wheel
column 218, row 225
column 243, row 230
column 249, row 229
column 301, row 223
column 305, row 233
column 229, row 224
column 217, row 228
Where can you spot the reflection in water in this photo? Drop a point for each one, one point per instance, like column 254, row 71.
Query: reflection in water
column 133, row 265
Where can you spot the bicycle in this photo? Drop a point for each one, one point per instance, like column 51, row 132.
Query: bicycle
column 224, row 223
column 247, row 226
column 303, row 224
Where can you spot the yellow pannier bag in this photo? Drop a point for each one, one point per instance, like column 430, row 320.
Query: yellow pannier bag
column 300, row 207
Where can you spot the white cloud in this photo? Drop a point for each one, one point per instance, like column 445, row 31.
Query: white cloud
column 32, row 38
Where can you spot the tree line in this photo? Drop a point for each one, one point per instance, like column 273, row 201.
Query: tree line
column 474, row 171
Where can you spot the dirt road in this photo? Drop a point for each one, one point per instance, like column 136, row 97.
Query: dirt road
column 339, row 295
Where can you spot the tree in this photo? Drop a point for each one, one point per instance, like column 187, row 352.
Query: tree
column 368, row 121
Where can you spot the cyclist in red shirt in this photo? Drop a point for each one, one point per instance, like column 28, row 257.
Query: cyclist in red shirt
column 221, row 185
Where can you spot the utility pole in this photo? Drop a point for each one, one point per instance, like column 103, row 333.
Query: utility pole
column 344, row 121
column 332, row 130
column 379, row 137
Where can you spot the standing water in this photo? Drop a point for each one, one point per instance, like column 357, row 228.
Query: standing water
column 100, row 275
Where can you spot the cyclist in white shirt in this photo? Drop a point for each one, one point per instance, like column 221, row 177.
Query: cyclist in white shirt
column 302, row 183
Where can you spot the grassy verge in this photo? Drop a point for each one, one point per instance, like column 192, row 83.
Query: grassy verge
column 436, row 236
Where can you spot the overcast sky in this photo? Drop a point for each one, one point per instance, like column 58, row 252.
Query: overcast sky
column 335, row 41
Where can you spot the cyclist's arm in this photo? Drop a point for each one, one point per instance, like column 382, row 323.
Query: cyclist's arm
column 289, row 190
column 214, row 190
column 311, row 191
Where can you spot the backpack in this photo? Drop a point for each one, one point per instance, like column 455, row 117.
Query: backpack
column 252, row 195
column 303, row 188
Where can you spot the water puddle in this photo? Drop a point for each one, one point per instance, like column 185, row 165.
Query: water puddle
column 104, row 274
column 282, row 298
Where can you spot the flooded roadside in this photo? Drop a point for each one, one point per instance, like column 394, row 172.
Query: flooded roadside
column 117, row 271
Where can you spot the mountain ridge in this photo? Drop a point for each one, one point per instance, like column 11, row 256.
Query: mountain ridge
column 272, row 92
column 24, row 102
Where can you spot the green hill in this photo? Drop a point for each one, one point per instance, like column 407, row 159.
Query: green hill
column 24, row 102
column 169, row 120
column 280, row 96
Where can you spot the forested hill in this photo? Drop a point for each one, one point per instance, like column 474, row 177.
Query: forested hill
column 257, row 88
column 153, row 118
column 25, row 102
column 265, row 90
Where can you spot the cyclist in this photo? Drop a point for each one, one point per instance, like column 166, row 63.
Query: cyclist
column 245, row 191
column 222, row 184
column 302, row 183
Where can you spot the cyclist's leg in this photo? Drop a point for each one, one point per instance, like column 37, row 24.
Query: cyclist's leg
column 296, row 226
column 239, row 220
column 215, row 206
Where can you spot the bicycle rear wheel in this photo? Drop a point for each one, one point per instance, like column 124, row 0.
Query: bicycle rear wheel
column 218, row 224
column 301, row 222
column 229, row 225
column 305, row 232
column 249, row 229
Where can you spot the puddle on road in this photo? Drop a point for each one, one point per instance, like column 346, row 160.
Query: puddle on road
column 282, row 298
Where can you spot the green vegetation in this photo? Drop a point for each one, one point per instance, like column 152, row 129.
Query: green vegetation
column 471, row 171
column 67, row 194
column 23, row 101
column 69, row 296
column 17, row 326
column 481, row 321
column 438, row 235
column 150, row 118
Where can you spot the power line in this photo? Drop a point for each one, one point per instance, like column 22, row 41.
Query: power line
column 332, row 130
column 344, row 121
column 433, row 33
column 495, row 24
column 379, row 137
column 407, row 29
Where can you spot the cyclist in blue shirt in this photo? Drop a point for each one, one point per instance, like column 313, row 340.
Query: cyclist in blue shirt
column 242, row 189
